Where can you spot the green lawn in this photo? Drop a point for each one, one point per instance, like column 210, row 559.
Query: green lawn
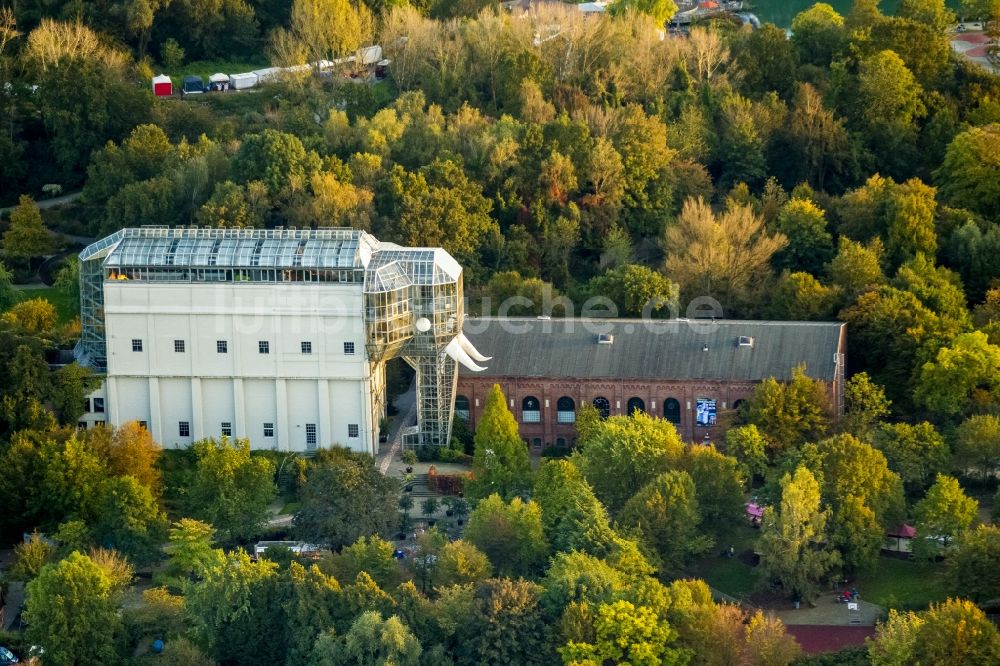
column 907, row 584
column 729, row 575
column 66, row 307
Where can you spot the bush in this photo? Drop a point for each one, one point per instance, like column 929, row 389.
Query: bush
column 551, row 451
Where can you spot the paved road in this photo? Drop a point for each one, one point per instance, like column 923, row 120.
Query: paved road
column 50, row 203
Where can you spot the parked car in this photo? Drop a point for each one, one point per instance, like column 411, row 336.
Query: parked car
column 7, row 657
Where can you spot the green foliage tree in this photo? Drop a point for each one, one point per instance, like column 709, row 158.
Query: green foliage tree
column 941, row 516
column 460, row 563
column 955, row 631
column 790, row 413
column 801, row 297
column 71, row 609
column 345, row 497
column 278, row 159
column 818, row 34
column 71, row 384
column 7, row 294
column 666, row 513
column 510, row 534
column 372, row 555
column 977, row 444
column 972, row 571
column 191, row 549
column 619, row 455
column 500, row 457
column 626, row 634
column 26, row 237
column 130, row 520
column 309, row 608
column 660, row 11
column 749, row 446
column 865, row 406
column 371, row 641
column 572, row 516
column 810, row 245
column 30, row 557
column 793, row 540
column 719, row 484
column 916, row 452
column 231, row 489
column 963, row 375
column 636, row 291
column 504, row 624
column 970, row 171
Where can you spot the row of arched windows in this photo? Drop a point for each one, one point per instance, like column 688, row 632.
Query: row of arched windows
column 531, row 411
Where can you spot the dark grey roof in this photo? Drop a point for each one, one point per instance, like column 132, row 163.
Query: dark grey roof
column 569, row 348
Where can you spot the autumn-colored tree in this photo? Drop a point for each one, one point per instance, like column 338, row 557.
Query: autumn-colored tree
column 26, row 237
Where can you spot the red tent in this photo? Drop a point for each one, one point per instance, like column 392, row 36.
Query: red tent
column 162, row 86
column 709, row 4
column 904, row 531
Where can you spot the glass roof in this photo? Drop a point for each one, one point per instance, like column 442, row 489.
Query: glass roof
column 242, row 248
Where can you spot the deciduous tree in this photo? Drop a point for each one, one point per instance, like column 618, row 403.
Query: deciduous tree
column 500, row 457
column 941, row 516
column 510, row 534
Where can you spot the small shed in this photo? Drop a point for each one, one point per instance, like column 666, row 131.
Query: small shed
column 242, row 81
column 900, row 539
column 163, row 86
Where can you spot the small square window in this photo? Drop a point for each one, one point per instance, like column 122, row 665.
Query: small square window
column 99, row 405
column 179, row 346
column 352, row 429
column 221, row 346
column 268, row 430
column 98, row 423
column 227, row 429
column 144, row 425
column 81, row 425
column 86, row 404
column 136, row 345
column 311, row 434
column 264, row 347
column 348, row 347
column 183, row 428
column 307, row 347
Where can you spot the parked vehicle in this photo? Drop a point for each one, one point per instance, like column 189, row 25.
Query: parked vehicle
column 7, row 657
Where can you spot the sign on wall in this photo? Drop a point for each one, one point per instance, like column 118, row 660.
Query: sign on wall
column 705, row 412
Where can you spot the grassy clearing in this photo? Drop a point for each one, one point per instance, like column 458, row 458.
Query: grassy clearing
column 905, row 584
column 729, row 575
column 205, row 68
column 66, row 306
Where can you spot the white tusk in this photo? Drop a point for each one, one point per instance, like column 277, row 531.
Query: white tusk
column 455, row 351
column 470, row 350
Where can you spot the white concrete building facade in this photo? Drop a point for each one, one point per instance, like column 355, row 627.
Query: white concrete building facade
column 280, row 336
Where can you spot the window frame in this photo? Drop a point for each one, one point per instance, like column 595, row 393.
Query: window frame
column 183, row 428
column 137, row 345
column 355, row 429
column 179, row 347
column 222, row 346
column 263, row 346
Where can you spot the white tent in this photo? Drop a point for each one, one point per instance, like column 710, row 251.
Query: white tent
column 219, row 78
column 244, row 80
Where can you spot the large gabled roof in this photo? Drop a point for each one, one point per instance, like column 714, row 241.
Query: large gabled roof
column 678, row 349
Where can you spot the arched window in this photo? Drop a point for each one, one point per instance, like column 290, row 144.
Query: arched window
column 531, row 410
column 536, row 442
column 561, row 442
column 636, row 405
column 672, row 410
column 565, row 410
column 462, row 407
column 603, row 407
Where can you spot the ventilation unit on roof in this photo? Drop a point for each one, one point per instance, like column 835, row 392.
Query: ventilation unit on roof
column 605, row 339
column 745, row 341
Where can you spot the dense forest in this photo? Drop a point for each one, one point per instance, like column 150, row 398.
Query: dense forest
column 848, row 171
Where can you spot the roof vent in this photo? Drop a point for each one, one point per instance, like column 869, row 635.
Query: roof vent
column 745, row 341
column 704, row 347
column 605, row 339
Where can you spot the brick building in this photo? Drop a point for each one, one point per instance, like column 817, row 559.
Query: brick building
column 687, row 371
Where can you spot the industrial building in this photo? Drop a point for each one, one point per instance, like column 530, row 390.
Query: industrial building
column 280, row 336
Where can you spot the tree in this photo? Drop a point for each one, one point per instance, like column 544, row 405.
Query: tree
column 71, row 609
column 278, row 159
column 621, row 454
column 724, row 256
column 718, row 484
column 749, row 446
column 660, row 11
column 953, row 632
column 130, row 520
column 767, row 643
column 972, row 571
column 810, row 245
column 371, row 641
column 71, row 384
column 460, row 563
column 372, row 555
column 345, row 497
column 236, row 611
column 916, row 452
column 26, row 237
column 31, row 556
column 793, row 539
column 572, row 516
column 510, row 534
column 818, row 34
column 865, row 406
column 309, row 609
column 626, row 634
column 35, row 316
column 328, row 29
column 856, row 268
column 857, row 534
column 500, row 457
column 228, row 208
column 231, row 489
column 941, row 516
column 666, row 512
column 816, row 138
column 505, row 625
column 128, row 450
column 977, row 444
column 963, row 375
column 637, row 291
column 7, row 294
column 790, row 413
column 887, row 91
column 191, row 550
column 969, row 176
column 848, row 466
column 932, row 13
